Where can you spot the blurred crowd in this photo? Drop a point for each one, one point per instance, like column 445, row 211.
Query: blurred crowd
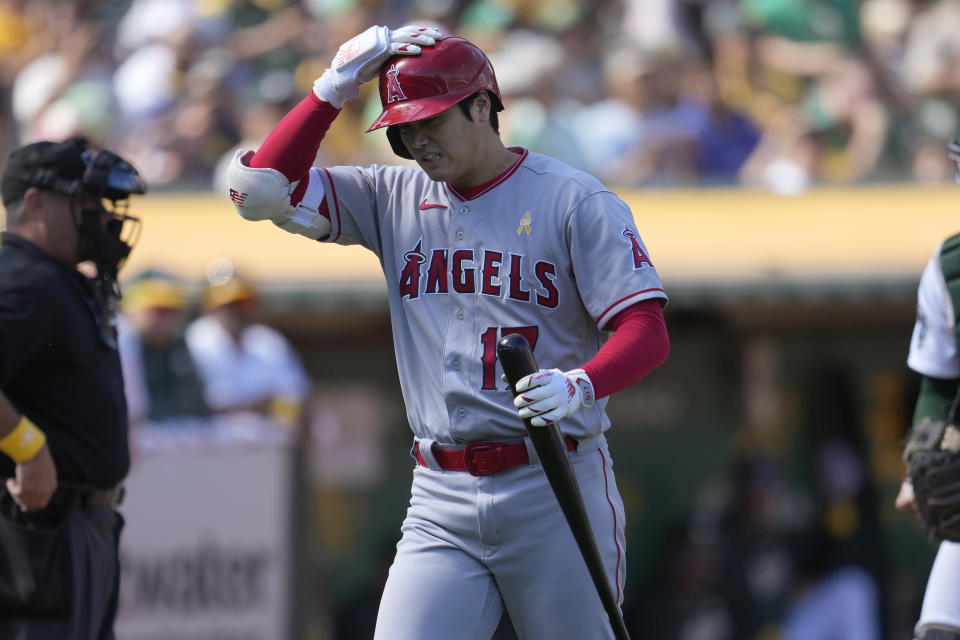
column 185, row 363
column 773, row 93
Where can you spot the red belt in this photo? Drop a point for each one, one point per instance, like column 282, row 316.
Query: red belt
column 482, row 458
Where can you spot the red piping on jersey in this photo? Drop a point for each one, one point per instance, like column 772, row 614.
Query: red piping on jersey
column 638, row 345
column 600, row 322
column 470, row 193
column 336, row 203
column 613, row 510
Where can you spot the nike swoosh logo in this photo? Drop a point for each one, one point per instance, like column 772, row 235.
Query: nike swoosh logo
column 424, row 206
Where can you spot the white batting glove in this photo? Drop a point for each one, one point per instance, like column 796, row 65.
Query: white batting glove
column 550, row 394
column 359, row 59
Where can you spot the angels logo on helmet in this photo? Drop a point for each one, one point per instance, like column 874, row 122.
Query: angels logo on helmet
column 394, row 90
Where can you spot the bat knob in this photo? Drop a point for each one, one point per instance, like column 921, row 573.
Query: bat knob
column 515, row 356
column 512, row 342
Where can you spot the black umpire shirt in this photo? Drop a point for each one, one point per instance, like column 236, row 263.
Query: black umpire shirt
column 56, row 368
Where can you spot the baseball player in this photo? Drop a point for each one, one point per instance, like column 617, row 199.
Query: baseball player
column 933, row 354
column 479, row 241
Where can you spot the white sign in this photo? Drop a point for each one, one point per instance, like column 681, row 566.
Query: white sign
column 205, row 553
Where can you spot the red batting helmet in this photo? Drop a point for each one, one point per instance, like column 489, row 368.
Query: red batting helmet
column 417, row 87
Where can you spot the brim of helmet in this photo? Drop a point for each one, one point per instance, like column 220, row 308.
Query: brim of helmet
column 415, row 110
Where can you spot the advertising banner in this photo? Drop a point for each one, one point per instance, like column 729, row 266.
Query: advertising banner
column 205, row 550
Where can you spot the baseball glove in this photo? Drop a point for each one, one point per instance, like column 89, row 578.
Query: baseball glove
column 932, row 456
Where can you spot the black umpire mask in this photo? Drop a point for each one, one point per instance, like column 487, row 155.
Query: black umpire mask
column 100, row 229
column 88, row 177
column 101, row 242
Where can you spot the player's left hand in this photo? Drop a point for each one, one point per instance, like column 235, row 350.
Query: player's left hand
column 359, row 59
column 550, row 394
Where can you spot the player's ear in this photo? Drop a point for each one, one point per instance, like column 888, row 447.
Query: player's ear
column 480, row 107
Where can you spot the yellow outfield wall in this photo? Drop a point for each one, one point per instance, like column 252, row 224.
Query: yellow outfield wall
column 706, row 234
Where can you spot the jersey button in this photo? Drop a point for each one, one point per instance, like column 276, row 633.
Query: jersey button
column 460, row 314
column 464, row 209
column 456, row 364
column 461, row 412
column 460, row 235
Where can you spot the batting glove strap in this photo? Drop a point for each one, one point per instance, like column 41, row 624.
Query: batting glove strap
column 359, row 59
column 580, row 378
column 305, row 219
column 305, row 223
column 550, row 394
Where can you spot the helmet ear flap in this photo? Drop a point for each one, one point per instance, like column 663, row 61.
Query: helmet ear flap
column 393, row 135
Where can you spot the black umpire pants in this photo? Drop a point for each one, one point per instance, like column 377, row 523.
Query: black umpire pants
column 59, row 572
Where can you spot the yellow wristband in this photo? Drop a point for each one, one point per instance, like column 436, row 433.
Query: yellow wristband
column 24, row 442
column 285, row 408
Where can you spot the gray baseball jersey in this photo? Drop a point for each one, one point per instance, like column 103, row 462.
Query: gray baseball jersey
column 546, row 251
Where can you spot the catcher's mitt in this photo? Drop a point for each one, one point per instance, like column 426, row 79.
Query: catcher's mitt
column 932, row 456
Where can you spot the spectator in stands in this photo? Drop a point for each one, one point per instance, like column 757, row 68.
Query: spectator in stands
column 837, row 133
column 633, row 135
column 246, row 366
column 161, row 381
column 931, row 50
column 720, row 138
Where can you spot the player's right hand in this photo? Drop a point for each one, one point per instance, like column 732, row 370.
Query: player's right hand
column 34, row 481
column 359, row 59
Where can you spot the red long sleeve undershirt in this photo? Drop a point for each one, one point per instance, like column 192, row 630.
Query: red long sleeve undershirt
column 292, row 146
column 638, row 345
column 639, row 342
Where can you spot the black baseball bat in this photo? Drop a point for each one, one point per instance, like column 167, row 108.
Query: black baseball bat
column 517, row 360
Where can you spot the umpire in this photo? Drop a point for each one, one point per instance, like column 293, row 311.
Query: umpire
column 63, row 417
